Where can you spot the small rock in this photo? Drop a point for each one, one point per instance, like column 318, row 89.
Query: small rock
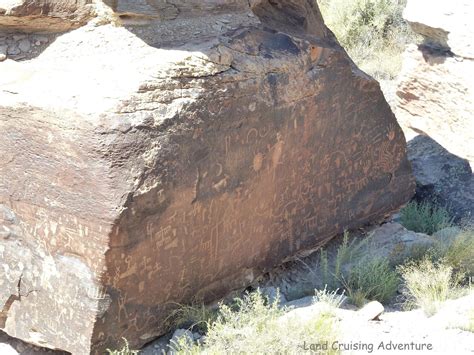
column 3, row 53
column 13, row 50
column 24, row 45
column 41, row 39
column 196, row 336
column 371, row 311
column 18, row 37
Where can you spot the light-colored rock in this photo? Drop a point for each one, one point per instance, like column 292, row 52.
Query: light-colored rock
column 45, row 15
column 395, row 242
column 436, row 97
column 3, row 53
column 371, row 311
column 436, row 85
column 444, row 24
column 145, row 168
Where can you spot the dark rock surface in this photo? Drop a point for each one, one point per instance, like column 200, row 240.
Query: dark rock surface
column 442, row 177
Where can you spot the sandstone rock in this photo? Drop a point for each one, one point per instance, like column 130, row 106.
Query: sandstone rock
column 442, row 177
column 145, row 166
column 371, row 311
column 444, row 24
column 436, row 97
column 44, row 15
column 436, row 85
column 395, row 242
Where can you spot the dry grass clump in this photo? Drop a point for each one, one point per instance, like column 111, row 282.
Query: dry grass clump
column 428, row 284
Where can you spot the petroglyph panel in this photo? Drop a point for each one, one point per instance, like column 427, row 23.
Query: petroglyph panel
column 200, row 169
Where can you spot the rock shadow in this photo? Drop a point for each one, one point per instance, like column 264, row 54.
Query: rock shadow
column 442, row 178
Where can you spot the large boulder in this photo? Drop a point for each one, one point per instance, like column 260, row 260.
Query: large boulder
column 144, row 166
column 44, row 15
column 436, row 85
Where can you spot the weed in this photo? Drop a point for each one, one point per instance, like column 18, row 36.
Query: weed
column 371, row 279
column 196, row 317
column 124, row 351
column 425, row 217
column 428, row 283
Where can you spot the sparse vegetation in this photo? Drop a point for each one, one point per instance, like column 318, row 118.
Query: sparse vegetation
column 255, row 326
column 364, row 279
column 372, row 31
column 425, row 217
column 196, row 317
column 456, row 247
column 428, row 284
column 333, row 299
column 371, row 279
column 124, row 351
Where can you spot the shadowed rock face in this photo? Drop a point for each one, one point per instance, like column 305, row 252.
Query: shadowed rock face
column 178, row 160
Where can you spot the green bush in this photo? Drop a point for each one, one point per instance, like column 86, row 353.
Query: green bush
column 372, row 31
column 425, row 217
column 456, row 247
column 195, row 317
column 371, row 280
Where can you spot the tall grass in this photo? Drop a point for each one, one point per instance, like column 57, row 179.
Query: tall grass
column 372, row 279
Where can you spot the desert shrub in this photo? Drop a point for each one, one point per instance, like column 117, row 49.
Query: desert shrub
column 425, row 217
column 456, row 248
column 372, row 31
column 255, row 326
column 428, row 284
column 332, row 274
column 124, row 351
column 372, row 279
column 332, row 299
column 196, row 316
column 363, row 278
